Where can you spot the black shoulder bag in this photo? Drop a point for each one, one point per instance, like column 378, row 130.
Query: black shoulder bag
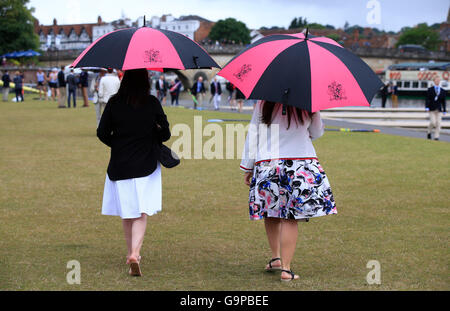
column 167, row 157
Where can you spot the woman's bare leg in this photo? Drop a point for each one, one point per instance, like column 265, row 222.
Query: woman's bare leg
column 127, row 225
column 273, row 229
column 137, row 235
column 288, row 243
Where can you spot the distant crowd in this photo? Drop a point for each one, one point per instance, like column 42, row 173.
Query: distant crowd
column 62, row 86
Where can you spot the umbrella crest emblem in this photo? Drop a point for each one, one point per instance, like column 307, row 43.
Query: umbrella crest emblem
column 336, row 91
column 152, row 56
column 243, row 72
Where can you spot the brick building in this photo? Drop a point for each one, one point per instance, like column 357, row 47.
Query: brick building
column 195, row 27
column 368, row 37
column 66, row 37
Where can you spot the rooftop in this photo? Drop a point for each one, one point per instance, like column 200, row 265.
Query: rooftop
column 417, row 66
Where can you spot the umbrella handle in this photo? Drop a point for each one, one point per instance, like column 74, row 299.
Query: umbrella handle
column 285, row 99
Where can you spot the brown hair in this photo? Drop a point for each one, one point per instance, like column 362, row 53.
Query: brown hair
column 269, row 106
column 134, row 87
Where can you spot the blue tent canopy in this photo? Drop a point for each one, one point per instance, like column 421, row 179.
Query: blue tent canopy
column 18, row 54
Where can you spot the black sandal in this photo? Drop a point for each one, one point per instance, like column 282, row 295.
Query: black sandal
column 270, row 265
column 291, row 273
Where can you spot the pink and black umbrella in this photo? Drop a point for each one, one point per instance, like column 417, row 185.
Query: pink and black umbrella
column 308, row 72
column 134, row 48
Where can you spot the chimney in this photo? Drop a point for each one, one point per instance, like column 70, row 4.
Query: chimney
column 99, row 20
column 54, row 22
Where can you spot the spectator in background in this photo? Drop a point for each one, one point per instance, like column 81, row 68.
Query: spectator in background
column 18, row 86
column 108, row 86
column 435, row 104
column 232, row 95
column 161, row 89
column 72, row 88
column 48, row 90
column 83, row 84
column 94, row 89
column 394, row 95
column 198, row 90
column 62, row 88
column 175, row 89
column 40, row 75
column 384, row 92
column 216, row 92
column 240, row 99
column 6, row 80
column 53, row 83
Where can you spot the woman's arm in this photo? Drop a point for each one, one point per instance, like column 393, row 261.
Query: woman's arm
column 104, row 130
column 162, row 124
column 316, row 128
column 251, row 142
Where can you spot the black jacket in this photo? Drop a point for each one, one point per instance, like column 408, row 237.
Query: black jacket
column 61, row 79
column 213, row 88
column 6, row 80
column 18, row 81
column 433, row 104
column 134, row 137
column 84, row 79
column 384, row 92
column 158, row 87
column 194, row 88
column 72, row 81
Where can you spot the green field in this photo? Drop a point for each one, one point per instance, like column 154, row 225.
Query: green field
column 392, row 196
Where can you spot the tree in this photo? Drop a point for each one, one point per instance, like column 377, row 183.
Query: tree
column 421, row 34
column 293, row 24
column 351, row 29
column 346, row 25
column 333, row 36
column 272, row 28
column 16, row 26
column 316, row 26
column 230, row 30
column 298, row 23
column 302, row 22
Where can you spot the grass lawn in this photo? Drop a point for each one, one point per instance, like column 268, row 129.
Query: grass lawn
column 392, row 196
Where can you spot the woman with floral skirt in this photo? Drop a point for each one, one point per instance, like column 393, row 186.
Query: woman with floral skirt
column 287, row 182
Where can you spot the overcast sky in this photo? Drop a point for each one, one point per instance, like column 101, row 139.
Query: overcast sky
column 392, row 15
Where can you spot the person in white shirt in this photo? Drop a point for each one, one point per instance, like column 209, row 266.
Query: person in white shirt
column 108, row 86
column 287, row 183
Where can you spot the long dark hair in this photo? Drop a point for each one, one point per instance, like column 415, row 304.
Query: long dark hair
column 268, row 108
column 134, row 87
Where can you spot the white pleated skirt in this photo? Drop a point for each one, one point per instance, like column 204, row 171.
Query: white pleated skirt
column 129, row 198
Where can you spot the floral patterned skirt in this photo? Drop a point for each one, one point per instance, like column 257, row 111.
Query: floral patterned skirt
column 290, row 189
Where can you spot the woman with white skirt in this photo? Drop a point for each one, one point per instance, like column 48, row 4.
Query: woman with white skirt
column 133, row 125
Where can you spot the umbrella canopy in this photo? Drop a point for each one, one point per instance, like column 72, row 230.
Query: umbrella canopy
column 29, row 53
column 134, row 48
column 11, row 55
column 312, row 73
